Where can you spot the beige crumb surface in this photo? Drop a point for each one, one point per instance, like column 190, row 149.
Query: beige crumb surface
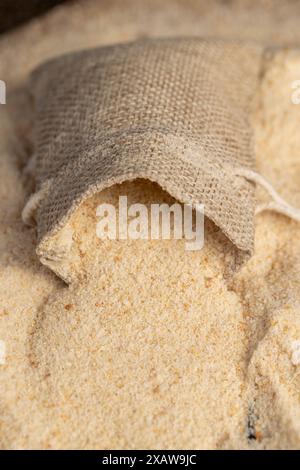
column 151, row 348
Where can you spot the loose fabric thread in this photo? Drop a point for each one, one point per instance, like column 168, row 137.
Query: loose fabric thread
column 278, row 204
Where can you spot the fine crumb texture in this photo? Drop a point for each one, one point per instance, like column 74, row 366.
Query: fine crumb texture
column 269, row 286
column 140, row 340
column 152, row 348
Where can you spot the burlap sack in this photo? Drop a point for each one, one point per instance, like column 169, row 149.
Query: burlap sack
column 174, row 111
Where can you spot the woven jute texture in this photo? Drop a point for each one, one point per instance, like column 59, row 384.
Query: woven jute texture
column 174, row 111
